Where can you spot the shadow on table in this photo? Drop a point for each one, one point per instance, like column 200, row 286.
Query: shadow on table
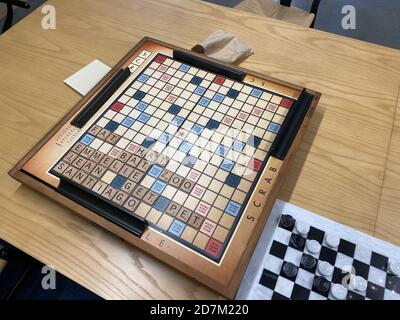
column 296, row 164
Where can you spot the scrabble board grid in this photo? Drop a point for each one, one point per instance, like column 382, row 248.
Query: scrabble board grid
column 184, row 101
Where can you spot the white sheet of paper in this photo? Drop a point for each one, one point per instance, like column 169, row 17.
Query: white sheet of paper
column 86, row 78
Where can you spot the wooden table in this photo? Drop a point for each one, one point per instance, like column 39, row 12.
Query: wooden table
column 347, row 169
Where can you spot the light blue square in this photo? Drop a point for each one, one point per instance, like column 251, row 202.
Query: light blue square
column 155, row 171
column 141, row 106
column 185, row 146
column 227, row 165
column 274, row 127
column 238, row 146
column 177, row 228
column 165, row 137
column 177, row 121
column 184, row 68
column 143, row 78
column 204, row 102
column 128, row 122
column 218, row 97
column 87, row 139
column 158, row 186
column 221, row 150
column 200, row 91
column 198, row 129
column 256, row 93
column 144, row 117
column 233, row 208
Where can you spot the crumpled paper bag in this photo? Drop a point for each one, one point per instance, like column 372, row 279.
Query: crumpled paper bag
column 223, row 46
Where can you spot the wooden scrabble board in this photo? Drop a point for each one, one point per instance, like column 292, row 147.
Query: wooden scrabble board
column 177, row 154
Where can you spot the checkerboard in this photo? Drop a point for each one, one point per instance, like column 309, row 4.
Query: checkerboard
column 354, row 259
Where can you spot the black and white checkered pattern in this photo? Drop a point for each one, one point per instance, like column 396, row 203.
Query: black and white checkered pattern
column 349, row 260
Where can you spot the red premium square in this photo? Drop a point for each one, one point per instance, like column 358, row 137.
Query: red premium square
column 117, row 106
column 255, row 164
column 160, row 59
column 286, row 103
column 219, row 80
column 214, row 247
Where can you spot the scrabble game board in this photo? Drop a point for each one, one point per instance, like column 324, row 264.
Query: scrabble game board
column 303, row 256
column 167, row 153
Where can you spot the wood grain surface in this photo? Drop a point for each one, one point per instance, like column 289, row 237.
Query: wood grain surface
column 339, row 171
column 388, row 220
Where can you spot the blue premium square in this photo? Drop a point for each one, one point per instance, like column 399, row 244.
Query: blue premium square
column 87, row 139
column 144, row 117
column 111, row 126
column 174, row 109
column 256, row 93
column 161, row 204
column 165, row 138
column 128, row 122
column 198, row 129
column 212, row 124
column 238, row 146
column 139, row 95
column 218, row 97
column 118, row 182
column 204, row 102
column 184, row 68
column 143, row 78
column 196, row 80
column 200, row 91
column 185, row 146
column 232, row 180
column 232, row 93
column 221, row 150
column 227, row 165
column 254, row 141
column 141, row 106
column 177, row 121
column 158, row 186
column 155, row 171
column 177, row 228
column 274, row 127
column 189, row 161
column 148, row 142
column 233, row 208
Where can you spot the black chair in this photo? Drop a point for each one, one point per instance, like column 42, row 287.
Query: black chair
column 314, row 7
column 10, row 13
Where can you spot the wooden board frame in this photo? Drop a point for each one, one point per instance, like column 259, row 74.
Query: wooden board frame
column 224, row 277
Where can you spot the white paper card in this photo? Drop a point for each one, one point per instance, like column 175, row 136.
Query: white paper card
column 86, row 78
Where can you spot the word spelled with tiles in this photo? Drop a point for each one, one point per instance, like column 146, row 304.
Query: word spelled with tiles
column 307, row 263
column 182, row 148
